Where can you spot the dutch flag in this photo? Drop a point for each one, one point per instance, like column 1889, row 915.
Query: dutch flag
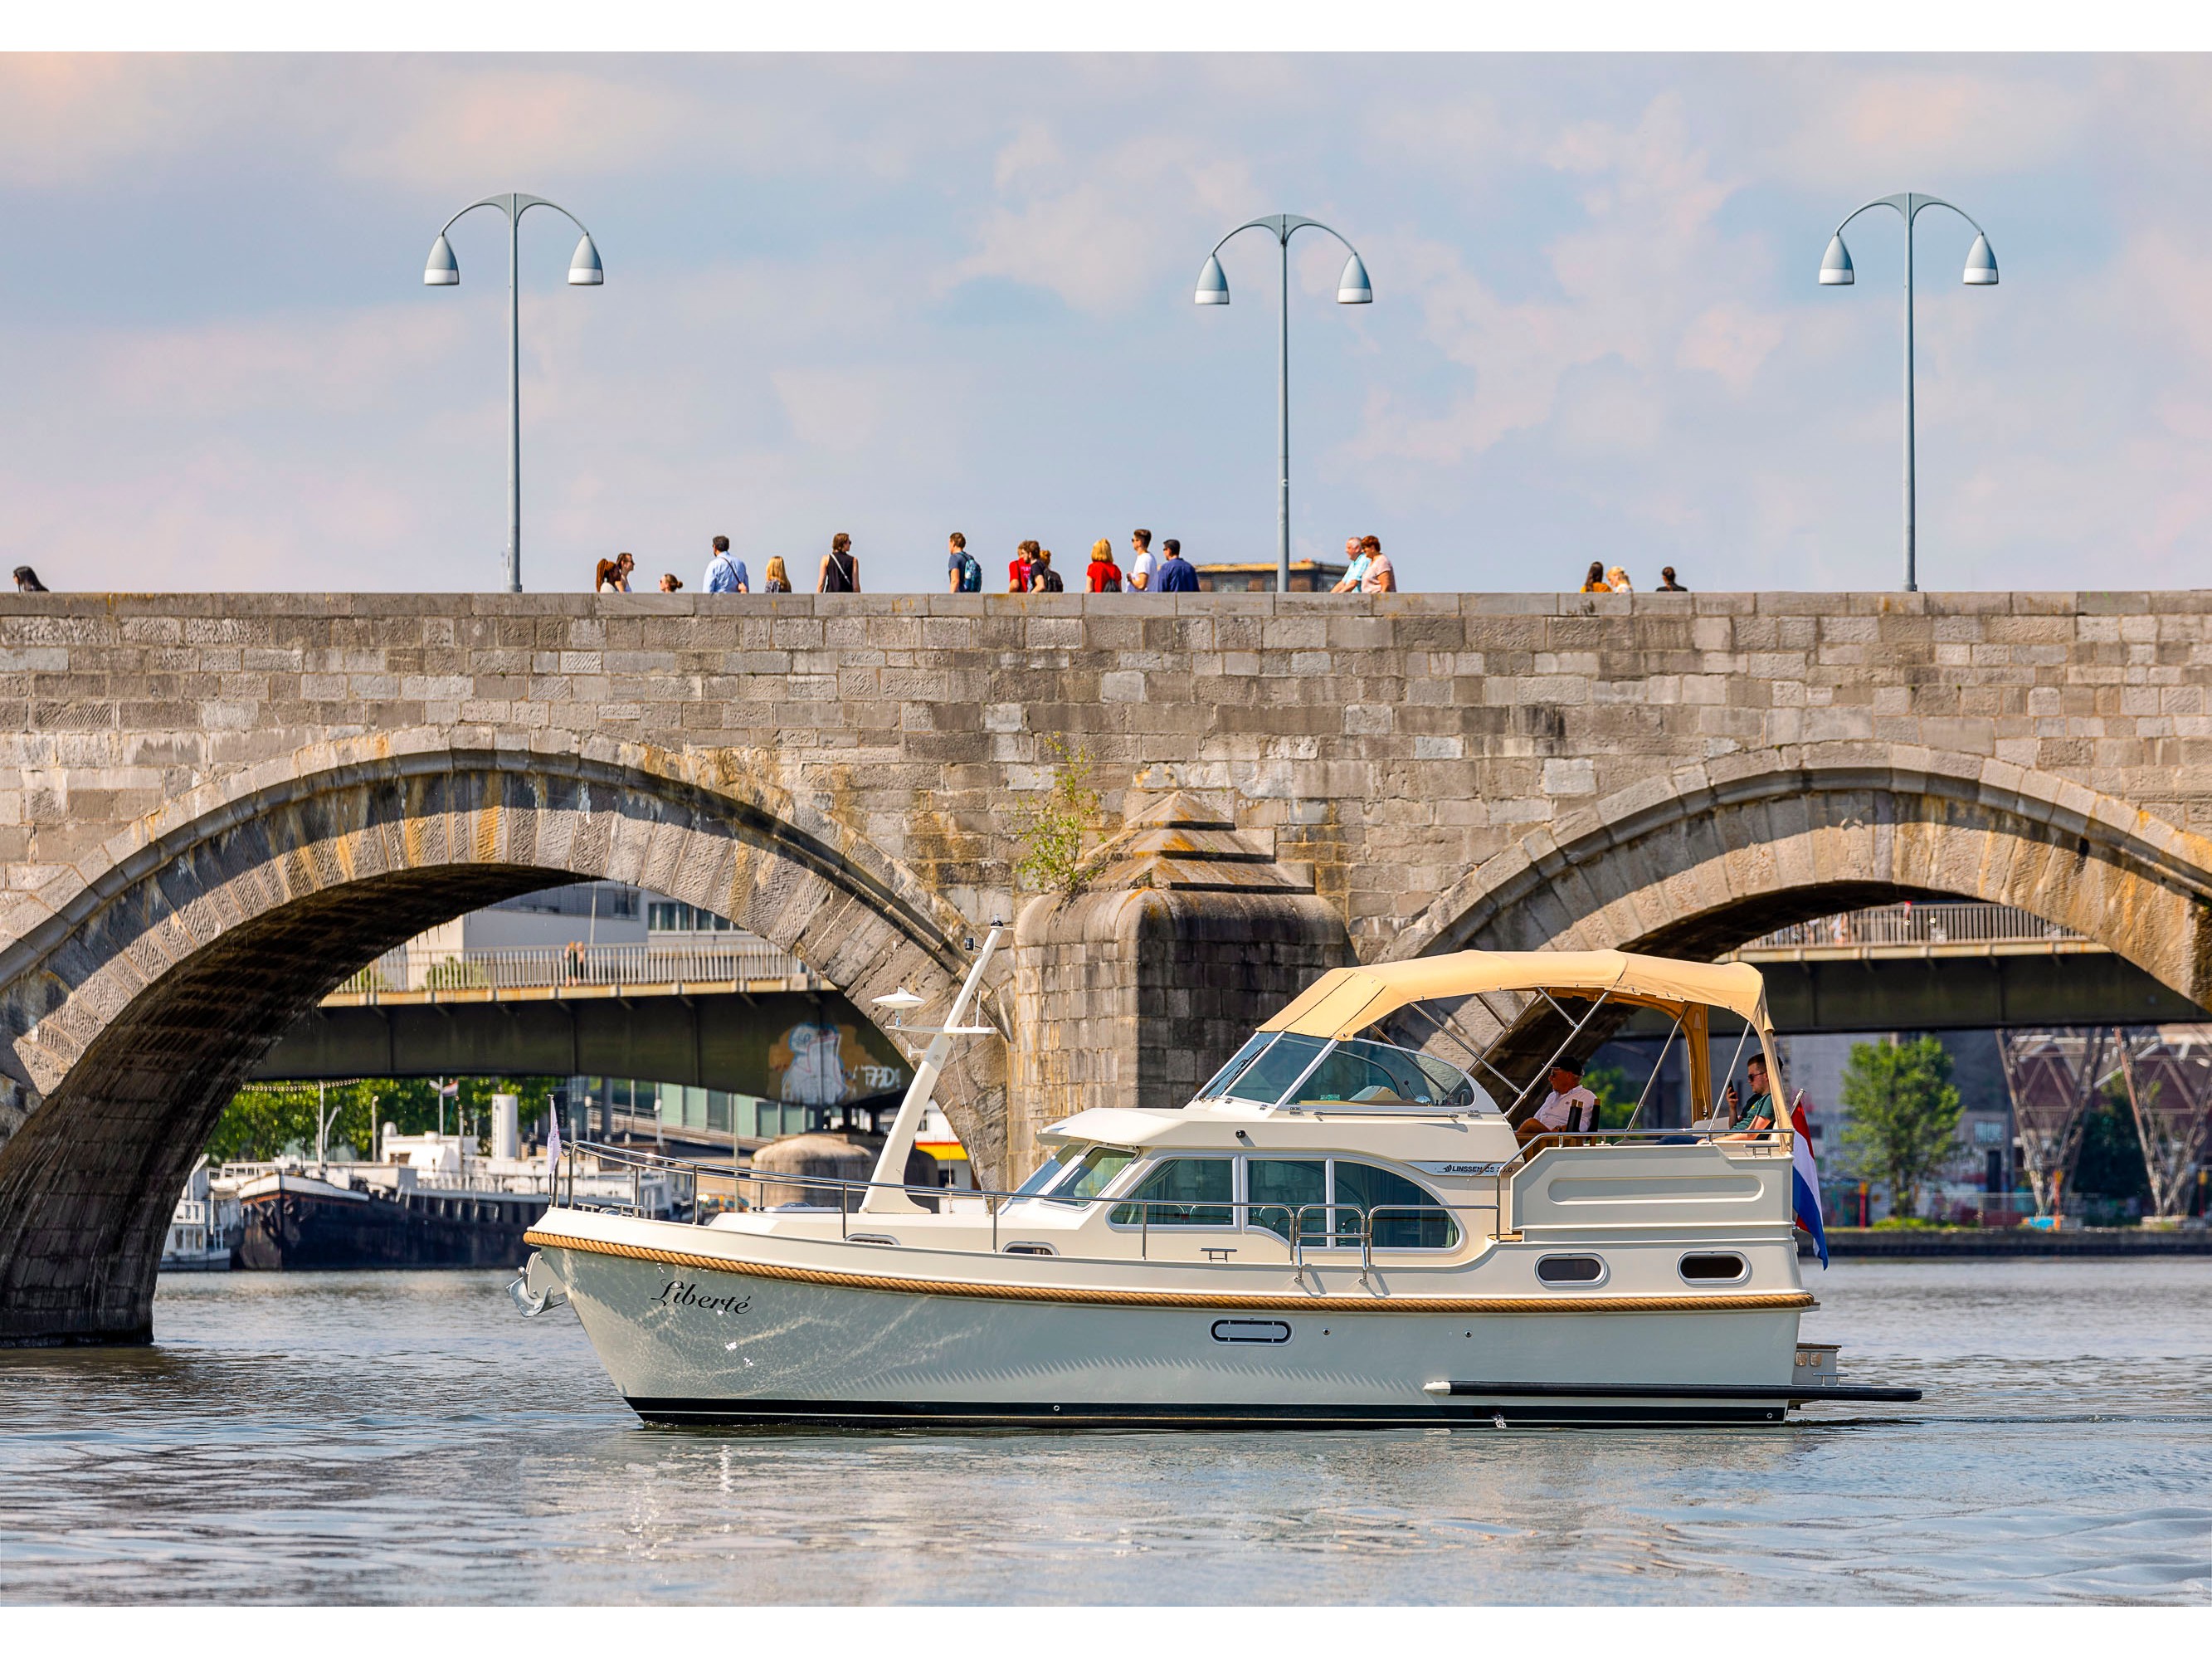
column 1806, row 1177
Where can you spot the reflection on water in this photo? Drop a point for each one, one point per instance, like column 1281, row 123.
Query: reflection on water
column 404, row 1437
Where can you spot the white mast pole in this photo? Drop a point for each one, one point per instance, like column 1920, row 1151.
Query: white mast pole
column 891, row 1165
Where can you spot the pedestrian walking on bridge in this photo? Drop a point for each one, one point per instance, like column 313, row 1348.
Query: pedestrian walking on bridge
column 840, row 570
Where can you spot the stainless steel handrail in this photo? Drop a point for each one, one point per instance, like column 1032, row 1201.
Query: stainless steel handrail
column 1329, row 1239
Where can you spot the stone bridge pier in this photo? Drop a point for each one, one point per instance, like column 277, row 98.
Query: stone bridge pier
column 214, row 808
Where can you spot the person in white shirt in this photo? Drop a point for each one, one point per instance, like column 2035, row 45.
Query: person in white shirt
column 1355, row 567
column 1142, row 567
column 1570, row 1109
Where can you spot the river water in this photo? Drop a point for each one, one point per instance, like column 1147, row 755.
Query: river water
column 406, row 1438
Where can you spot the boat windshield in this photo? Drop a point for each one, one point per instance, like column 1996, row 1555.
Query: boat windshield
column 1041, row 1177
column 1089, row 1175
column 1286, row 1068
column 1358, row 1072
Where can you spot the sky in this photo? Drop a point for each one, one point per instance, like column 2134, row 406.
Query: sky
column 896, row 296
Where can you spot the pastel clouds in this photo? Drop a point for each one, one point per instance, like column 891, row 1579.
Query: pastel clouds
column 896, row 295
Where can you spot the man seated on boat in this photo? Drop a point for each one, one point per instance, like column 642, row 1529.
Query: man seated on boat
column 1756, row 1116
column 1570, row 1109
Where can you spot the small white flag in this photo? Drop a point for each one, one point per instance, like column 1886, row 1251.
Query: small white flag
column 553, row 1147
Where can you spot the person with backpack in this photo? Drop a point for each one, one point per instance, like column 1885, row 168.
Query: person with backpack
column 1105, row 575
column 1044, row 579
column 963, row 572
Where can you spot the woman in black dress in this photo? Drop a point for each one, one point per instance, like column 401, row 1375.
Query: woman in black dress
column 840, row 571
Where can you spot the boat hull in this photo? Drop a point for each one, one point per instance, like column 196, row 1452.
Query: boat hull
column 298, row 1227
column 688, row 1342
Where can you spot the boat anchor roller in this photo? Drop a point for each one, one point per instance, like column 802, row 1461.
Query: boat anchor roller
column 537, row 1289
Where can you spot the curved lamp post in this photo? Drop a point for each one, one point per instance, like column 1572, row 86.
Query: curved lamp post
column 1981, row 272
column 1353, row 289
column 443, row 270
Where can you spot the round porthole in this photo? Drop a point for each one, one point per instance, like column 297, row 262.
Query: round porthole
column 1714, row 1268
column 1570, row 1271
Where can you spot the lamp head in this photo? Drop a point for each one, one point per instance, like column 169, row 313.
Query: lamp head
column 443, row 270
column 583, row 267
column 1353, row 289
column 1836, row 263
column 1213, row 285
column 1981, row 265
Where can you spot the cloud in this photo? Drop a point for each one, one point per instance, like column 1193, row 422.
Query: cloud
column 1731, row 340
column 1595, row 332
column 1101, row 231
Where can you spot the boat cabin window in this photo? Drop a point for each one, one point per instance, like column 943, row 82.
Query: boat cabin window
column 1400, row 1215
column 1713, row 1267
column 1287, row 1193
column 1090, row 1174
column 1182, row 1192
column 1571, row 1270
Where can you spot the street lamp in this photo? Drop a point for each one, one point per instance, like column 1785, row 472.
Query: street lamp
column 1981, row 272
column 443, row 270
column 1353, row 289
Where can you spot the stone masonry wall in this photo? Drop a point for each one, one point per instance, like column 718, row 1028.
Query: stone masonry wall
column 1392, row 743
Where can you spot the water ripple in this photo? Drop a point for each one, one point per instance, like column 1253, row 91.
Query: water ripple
column 401, row 1437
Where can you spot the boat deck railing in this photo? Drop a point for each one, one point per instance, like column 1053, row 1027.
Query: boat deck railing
column 749, row 1189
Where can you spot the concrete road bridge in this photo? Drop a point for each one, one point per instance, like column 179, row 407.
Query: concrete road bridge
column 214, row 809
column 727, row 1016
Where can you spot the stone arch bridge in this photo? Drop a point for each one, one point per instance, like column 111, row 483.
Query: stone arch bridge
column 214, row 808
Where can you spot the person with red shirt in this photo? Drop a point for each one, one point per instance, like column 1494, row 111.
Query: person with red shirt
column 1104, row 575
column 1019, row 568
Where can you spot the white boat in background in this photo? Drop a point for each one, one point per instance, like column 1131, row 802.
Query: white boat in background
column 204, row 1228
column 1343, row 1227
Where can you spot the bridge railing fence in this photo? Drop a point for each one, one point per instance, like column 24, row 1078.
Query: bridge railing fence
column 1940, row 923
column 523, row 968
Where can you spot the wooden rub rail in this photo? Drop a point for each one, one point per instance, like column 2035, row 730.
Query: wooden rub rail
column 1751, row 1302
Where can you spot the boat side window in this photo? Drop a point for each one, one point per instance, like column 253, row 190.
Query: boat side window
column 1412, row 1218
column 1182, row 1192
column 1269, row 1077
column 1237, row 1062
column 1090, row 1174
column 1280, row 1188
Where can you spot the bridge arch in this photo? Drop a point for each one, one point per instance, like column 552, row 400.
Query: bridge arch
column 1699, row 860
column 162, row 970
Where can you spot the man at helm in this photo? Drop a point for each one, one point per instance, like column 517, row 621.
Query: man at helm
column 1570, row 1109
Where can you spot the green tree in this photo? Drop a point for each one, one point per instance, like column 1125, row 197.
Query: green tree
column 1616, row 1100
column 1903, row 1114
column 263, row 1119
column 1051, row 827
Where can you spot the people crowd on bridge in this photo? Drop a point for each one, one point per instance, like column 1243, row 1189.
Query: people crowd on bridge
column 1367, row 569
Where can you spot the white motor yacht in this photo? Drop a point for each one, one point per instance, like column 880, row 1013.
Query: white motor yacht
column 1344, row 1227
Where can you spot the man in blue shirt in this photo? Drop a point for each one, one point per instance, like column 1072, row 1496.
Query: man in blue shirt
column 1176, row 575
column 725, row 574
